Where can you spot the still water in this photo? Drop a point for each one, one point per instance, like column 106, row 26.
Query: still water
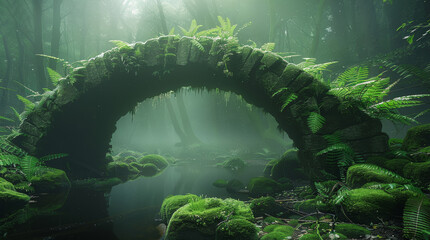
column 130, row 210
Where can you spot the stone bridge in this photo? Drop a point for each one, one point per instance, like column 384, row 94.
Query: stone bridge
column 79, row 116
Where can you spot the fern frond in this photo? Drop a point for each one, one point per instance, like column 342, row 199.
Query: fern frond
column 385, row 172
column 7, row 147
column 29, row 165
column 315, row 122
column 29, row 105
column 335, row 147
column 416, row 218
column 279, row 91
column 198, row 45
column 6, row 119
column 8, row 160
column 268, row 47
column 121, row 44
column 54, row 76
column 53, row 157
column 290, row 99
column 17, row 115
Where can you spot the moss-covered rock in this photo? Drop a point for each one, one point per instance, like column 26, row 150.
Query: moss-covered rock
column 173, row 203
column 419, row 172
column 220, row 183
column 233, row 164
column 262, row 186
column 50, row 180
column 275, row 236
column 369, row 205
column 155, row 159
column 10, row 199
column 351, row 230
column 423, row 155
column 237, row 229
column 312, row 205
column 97, row 184
column 129, row 159
column 121, row 170
column 234, row 186
column 396, row 165
column 200, row 219
column 14, row 177
column 262, row 205
column 149, row 170
column 293, row 223
column 288, row 230
column 416, row 138
column 360, row 174
column 128, row 153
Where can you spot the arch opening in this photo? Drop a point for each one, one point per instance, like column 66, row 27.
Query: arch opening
column 79, row 116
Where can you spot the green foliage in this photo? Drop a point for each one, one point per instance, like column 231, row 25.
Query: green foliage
column 315, row 122
column 268, row 47
column 54, row 76
column 8, row 160
column 310, row 66
column 192, row 30
column 421, row 30
column 354, row 88
column 338, row 154
column 416, row 218
column 121, row 44
column 29, row 105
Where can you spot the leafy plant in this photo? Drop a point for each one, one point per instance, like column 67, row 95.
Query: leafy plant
column 291, row 97
column 338, row 155
column 354, row 88
column 121, row 44
column 416, row 219
column 315, row 122
column 54, row 76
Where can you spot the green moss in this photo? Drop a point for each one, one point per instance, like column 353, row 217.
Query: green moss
column 275, row 236
column 310, row 236
column 149, row 170
column 361, row 174
column 121, row 170
column 288, row 230
column 234, row 186
column 263, row 186
column 262, row 205
column 130, row 159
column 419, row 172
column 293, row 223
column 50, row 180
column 396, row 165
column 351, row 230
column 272, row 220
column 395, row 143
column 220, row 183
column 10, row 200
column 423, row 155
column 173, row 203
column 312, row 205
column 155, row 159
column 237, row 229
column 416, row 138
column 14, row 177
column 368, row 205
column 199, row 219
column 234, row 164
column 97, row 184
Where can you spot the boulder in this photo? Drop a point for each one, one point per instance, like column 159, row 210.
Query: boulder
column 416, row 138
column 200, row 219
column 10, row 199
column 237, row 229
column 263, row 186
column 352, row 230
column 155, row 159
column 121, row 170
column 50, row 180
column 419, row 172
column 173, row 203
column 360, row 174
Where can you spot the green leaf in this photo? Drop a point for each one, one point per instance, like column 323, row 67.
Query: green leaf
column 29, row 105
column 416, row 218
column 53, row 157
column 18, row 116
column 290, row 99
column 6, row 119
column 54, row 76
column 315, row 122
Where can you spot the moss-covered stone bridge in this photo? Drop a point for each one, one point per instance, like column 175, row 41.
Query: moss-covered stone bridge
column 79, row 116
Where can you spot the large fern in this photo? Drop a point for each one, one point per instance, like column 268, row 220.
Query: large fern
column 416, row 219
column 315, row 122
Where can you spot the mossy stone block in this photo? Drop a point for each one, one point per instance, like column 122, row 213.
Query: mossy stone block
column 417, row 137
column 236, row 229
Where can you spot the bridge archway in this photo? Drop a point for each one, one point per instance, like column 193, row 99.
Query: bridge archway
column 79, row 116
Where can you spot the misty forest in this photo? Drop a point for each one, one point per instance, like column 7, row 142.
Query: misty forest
column 214, row 119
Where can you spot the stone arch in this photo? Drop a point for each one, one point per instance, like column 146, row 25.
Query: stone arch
column 79, row 116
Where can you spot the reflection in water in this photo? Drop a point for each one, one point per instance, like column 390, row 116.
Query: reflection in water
column 147, row 194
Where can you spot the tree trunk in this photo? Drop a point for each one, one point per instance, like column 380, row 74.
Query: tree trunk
column 318, row 26
column 162, row 17
column 6, row 77
column 38, row 44
column 175, row 122
column 56, row 34
column 186, row 124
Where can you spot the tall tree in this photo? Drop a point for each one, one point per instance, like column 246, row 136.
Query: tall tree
column 56, row 34
column 38, row 44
